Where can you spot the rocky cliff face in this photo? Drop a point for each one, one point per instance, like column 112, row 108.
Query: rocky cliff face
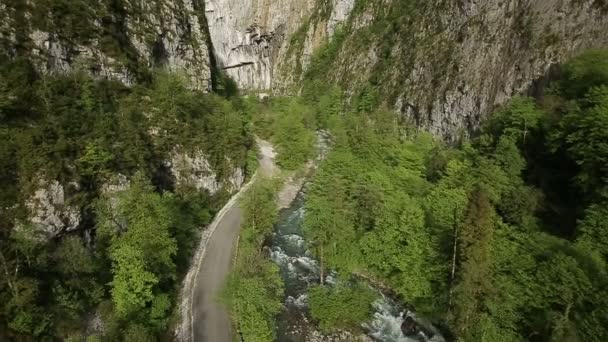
column 248, row 35
column 112, row 39
column 442, row 64
column 446, row 64
column 252, row 38
column 193, row 170
column 50, row 214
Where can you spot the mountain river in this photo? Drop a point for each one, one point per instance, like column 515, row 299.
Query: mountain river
column 300, row 270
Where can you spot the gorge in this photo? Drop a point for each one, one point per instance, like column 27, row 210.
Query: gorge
column 466, row 176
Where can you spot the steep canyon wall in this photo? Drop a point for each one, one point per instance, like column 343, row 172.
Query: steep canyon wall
column 444, row 65
column 120, row 39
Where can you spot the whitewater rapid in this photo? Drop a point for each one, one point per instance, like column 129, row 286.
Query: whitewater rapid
column 300, row 270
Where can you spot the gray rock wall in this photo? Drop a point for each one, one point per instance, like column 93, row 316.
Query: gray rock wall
column 194, row 170
column 120, row 43
column 452, row 63
column 49, row 212
column 444, row 65
column 252, row 38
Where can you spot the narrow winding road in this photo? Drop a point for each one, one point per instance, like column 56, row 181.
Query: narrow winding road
column 210, row 319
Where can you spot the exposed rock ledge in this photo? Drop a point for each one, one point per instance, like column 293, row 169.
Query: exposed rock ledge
column 251, row 38
column 50, row 215
column 193, row 169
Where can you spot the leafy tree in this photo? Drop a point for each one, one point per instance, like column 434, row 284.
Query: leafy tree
column 138, row 333
column 255, row 294
column 344, row 306
column 294, row 142
column 141, row 246
column 368, row 100
column 78, row 290
column 329, row 226
column 514, row 270
column 565, row 285
column 259, row 205
column 159, row 312
column 517, row 119
column 132, row 284
column 25, row 315
column 401, row 249
column 586, row 71
column 585, row 133
column 94, row 161
column 330, row 105
column 593, row 229
column 474, row 274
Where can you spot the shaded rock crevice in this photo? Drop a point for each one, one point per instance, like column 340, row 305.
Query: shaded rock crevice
column 252, row 39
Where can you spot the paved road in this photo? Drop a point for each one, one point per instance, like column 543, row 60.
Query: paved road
column 210, row 320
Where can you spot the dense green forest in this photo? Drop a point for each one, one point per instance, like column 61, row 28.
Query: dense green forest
column 289, row 123
column 503, row 237
column 500, row 237
column 125, row 260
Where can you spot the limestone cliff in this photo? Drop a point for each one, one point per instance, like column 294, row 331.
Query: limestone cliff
column 446, row 64
column 442, row 64
column 194, row 170
column 252, row 39
column 49, row 213
column 111, row 39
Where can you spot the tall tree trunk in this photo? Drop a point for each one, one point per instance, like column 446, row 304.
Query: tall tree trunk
column 321, row 269
column 453, row 274
column 8, row 277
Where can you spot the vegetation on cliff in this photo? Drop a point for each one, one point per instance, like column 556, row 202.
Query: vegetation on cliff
column 126, row 37
column 501, row 238
column 289, row 123
column 133, row 243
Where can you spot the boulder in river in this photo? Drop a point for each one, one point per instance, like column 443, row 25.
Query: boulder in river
column 409, row 327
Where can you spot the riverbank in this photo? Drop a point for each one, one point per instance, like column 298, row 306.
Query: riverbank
column 254, row 291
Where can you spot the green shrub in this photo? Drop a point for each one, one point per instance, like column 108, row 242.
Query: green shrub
column 342, row 307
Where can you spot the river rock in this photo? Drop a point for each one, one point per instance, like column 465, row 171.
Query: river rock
column 343, row 336
column 409, row 327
